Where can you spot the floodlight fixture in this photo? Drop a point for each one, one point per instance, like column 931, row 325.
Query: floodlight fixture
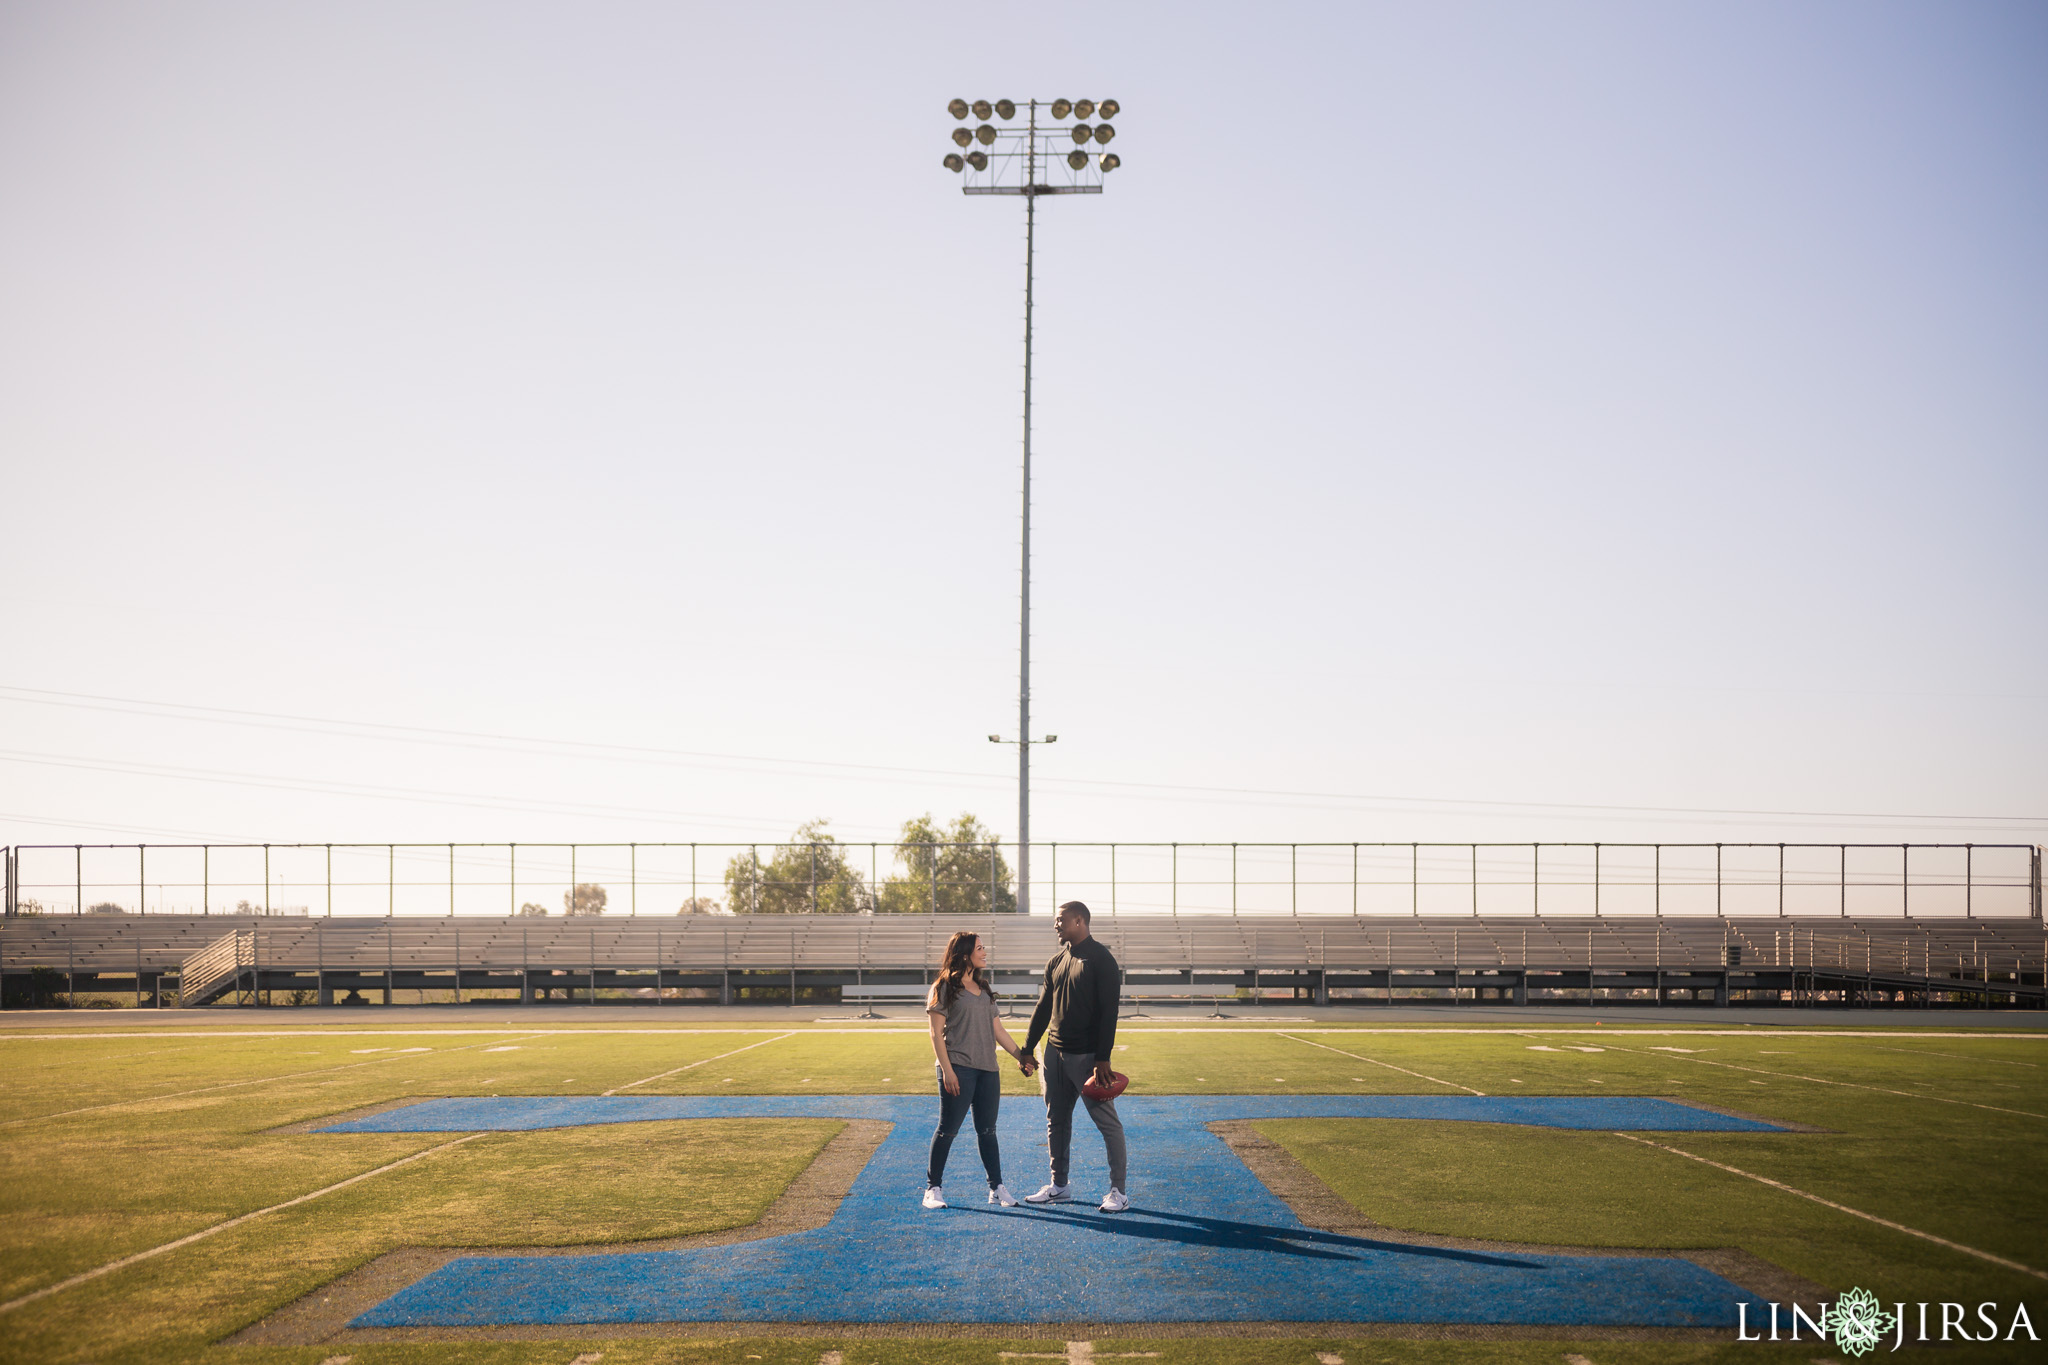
column 1024, row 161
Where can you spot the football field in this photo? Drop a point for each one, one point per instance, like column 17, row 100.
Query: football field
column 748, row 1190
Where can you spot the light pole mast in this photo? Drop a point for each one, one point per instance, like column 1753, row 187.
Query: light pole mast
column 1016, row 169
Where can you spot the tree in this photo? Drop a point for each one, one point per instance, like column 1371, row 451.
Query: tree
column 954, row 870
column 807, row 875
column 533, row 908
column 28, row 905
column 701, row 905
column 587, row 898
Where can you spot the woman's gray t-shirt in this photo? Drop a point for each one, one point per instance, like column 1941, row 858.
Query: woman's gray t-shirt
column 970, row 1029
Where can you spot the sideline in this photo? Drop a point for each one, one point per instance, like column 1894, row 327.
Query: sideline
column 231, row 1085
column 1388, row 1065
column 1844, row 1208
column 112, row 1266
column 707, row 1061
column 1822, row 1080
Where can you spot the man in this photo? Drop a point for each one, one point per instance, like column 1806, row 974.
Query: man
column 1076, row 1016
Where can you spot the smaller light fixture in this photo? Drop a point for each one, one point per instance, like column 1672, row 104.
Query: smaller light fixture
column 986, row 135
column 1078, row 159
column 1062, row 108
column 962, row 136
column 1110, row 161
column 978, row 160
column 954, row 163
column 1109, row 108
column 1052, row 739
column 1083, row 108
column 1006, row 109
column 1104, row 132
column 958, row 108
column 1082, row 132
column 995, row 739
column 982, row 109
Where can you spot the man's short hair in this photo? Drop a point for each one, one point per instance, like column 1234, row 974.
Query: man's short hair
column 1076, row 908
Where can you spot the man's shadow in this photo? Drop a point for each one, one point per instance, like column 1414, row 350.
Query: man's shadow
column 1227, row 1234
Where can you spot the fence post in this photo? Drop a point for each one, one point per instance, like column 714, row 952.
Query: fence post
column 1969, row 881
column 992, row 854
column 933, row 850
column 1657, row 879
column 1781, row 881
column 1475, row 881
column 451, row 898
column 1233, row 880
column 141, row 878
column 330, row 881
column 266, row 879
column 633, row 887
column 570, row 908
column 1845, row 882
column 390, row 893
column 814, row 910
column 78, row 874
column 1294, row 880
column 512, row 879
column 1173, row 876
column 1536, row 879
column 1717, row 879
column 1596, row 889
column 1112, row 881
column 205, row 888
column 1905, row 881
column 1354, row 881
column 1414, row 885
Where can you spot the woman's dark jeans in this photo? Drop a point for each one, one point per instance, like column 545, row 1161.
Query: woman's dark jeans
column 981, row 1091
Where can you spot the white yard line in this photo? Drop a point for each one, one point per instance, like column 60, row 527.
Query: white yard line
column 1822, row 1080
column 229, row 1085
column 1844, row 1208
column 1388, row 1065
column 708, row 1060
column 1953, row 1056
column 112, row 1266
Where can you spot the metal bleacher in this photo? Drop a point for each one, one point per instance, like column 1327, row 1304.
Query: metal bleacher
column 1324, row 959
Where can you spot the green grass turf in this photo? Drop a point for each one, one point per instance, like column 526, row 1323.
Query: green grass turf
column 172, row 1137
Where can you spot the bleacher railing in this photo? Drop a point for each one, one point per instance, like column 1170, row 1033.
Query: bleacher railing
column 1728, row 880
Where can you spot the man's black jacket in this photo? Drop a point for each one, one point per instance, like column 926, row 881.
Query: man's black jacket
column 1077, row 1008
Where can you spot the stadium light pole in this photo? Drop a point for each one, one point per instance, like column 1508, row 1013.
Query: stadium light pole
column 1025, row 162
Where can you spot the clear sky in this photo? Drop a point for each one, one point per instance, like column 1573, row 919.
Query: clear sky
column 1455, row 421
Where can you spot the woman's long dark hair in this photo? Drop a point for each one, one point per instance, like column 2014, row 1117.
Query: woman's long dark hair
column 957, row 963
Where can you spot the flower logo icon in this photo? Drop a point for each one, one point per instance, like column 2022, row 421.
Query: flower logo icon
column 1857, row 1321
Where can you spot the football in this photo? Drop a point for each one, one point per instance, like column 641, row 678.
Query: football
column 1099, row 1093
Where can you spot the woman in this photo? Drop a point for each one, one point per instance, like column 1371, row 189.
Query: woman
column 965, row 1033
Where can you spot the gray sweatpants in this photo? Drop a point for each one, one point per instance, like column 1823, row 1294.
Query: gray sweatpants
column 1061, row 1080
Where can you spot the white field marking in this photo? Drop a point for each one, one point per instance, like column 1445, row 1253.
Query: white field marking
column 719, row 1058
column 337, row 1360
column 1573, row 1358
column 1955, row 1056
column 1136, row 1026
column 1543, row 1047
column 1388, row 1065
column 1329, row 1358
column 125, row 1261
column 588, row 1358
column 359, row 1051
column 225, row 1085
column 1679, row 1049
column 1851, row 1085
column 831, row 1358
column 1077, row 1353
column 1513, row 1081
column 501, row 1049
column 1581, row 1047
column 1844, row 1208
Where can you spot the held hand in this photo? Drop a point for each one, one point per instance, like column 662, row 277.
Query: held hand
column 1103, row 1073
column 952, row 1082
column 1027, row 1063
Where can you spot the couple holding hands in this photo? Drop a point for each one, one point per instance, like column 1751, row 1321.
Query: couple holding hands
column 1076, row 1016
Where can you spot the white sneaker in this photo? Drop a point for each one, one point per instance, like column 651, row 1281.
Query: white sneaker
column 1115, row 1201
column 935, row 1197
column 1001, row 1195
column 1051, row 1194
